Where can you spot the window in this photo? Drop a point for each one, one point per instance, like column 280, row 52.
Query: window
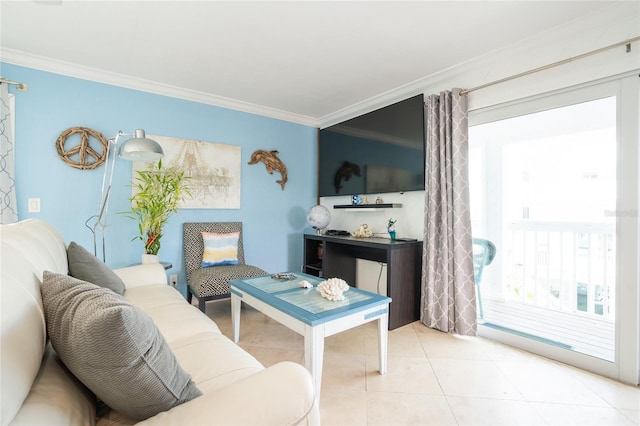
column 543, row 186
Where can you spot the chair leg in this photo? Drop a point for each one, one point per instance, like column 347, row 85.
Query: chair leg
column 189, row 295
column 202, row 304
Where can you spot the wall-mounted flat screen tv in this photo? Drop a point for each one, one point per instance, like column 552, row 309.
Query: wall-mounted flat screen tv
column 378, row 152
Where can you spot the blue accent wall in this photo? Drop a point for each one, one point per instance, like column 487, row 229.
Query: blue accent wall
column 273, row 219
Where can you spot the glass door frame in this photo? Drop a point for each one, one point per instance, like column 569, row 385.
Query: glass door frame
column 626, row 89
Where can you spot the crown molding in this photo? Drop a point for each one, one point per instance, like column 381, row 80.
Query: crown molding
column 42, row 63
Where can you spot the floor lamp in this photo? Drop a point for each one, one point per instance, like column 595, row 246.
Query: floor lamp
column 137, row 148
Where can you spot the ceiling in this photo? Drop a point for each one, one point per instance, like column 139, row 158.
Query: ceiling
column 304, row 59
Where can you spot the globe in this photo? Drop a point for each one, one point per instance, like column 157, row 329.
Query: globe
column 318, row 217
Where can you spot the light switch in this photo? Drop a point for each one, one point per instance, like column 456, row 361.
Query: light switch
column 33, row 205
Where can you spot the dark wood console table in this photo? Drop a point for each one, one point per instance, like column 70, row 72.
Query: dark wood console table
column 335, row 257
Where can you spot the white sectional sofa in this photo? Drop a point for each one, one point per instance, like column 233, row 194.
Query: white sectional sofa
column 37, row 388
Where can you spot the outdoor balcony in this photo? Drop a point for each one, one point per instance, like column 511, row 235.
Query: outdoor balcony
column 555, row 282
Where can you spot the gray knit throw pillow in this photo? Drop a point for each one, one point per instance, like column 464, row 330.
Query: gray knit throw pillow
column 113, row 347
column 84, row 266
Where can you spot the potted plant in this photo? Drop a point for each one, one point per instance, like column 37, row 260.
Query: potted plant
column 157, row 193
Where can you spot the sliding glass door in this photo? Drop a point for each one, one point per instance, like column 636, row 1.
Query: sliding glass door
column 546, row 190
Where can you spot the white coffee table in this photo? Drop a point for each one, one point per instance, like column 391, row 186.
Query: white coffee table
column 306, row 312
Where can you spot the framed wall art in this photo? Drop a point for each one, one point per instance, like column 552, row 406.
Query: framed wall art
column 214, row 170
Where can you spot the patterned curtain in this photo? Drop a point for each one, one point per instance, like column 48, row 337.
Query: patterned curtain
column 448, row 300
column 8, row 205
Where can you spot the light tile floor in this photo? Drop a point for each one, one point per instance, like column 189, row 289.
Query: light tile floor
column 436, row 378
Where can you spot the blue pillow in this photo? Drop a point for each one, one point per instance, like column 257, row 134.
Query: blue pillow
column 220, row 249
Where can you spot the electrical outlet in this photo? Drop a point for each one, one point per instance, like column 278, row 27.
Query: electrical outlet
column 174, row 280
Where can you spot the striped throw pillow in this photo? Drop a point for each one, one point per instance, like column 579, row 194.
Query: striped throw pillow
column 220, row 249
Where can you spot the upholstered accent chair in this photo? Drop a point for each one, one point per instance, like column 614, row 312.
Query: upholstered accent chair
column 211, row 282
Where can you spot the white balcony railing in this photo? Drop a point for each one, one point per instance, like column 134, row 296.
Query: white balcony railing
column 556, row 280
column 563, row 266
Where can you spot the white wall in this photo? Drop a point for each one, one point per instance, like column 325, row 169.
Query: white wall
column 409, row 218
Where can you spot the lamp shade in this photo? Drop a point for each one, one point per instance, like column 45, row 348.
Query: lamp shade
column 140, row 148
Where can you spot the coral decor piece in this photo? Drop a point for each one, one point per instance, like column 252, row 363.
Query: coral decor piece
column 362, row 232
column 272, row 162
column 333, row 289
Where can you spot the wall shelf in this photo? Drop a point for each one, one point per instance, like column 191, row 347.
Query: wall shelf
column 368, row 206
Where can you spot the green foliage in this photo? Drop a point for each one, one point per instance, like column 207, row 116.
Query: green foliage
column 158, row 191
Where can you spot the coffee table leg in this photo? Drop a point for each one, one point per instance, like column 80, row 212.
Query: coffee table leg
column 383, row 335
column 313, row 354
column 235, row 316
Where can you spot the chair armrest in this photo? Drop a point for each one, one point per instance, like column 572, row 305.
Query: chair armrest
column 140, row 275
column 282, row 394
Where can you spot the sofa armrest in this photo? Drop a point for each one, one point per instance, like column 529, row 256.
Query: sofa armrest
column 282, row 394
column 141, row 275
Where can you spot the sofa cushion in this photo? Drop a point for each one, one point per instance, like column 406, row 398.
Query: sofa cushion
column 232, row 365
column 220, row 248
column 84, row 266
column 57, row 396
column 113, row 347
column 170, row 312
column 27, row 248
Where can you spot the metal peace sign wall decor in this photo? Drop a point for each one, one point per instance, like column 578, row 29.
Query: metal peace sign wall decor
column 84, row 155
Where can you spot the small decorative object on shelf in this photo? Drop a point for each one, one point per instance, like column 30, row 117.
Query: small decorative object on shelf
column 391, row 229
column 333, row 289
column 379, row 200
column 305, row 284
column 362, row 232
column 283, row 276
column 356, row 200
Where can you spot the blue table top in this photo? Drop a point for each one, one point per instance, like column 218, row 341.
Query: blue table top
column 306, row 304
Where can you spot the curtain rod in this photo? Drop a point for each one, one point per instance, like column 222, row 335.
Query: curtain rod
column 555, row 64
column 23, row 87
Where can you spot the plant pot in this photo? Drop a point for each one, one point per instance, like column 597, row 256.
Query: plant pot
column 150, row 258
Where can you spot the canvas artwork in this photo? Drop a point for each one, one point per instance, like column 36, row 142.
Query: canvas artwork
column 213, row 168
